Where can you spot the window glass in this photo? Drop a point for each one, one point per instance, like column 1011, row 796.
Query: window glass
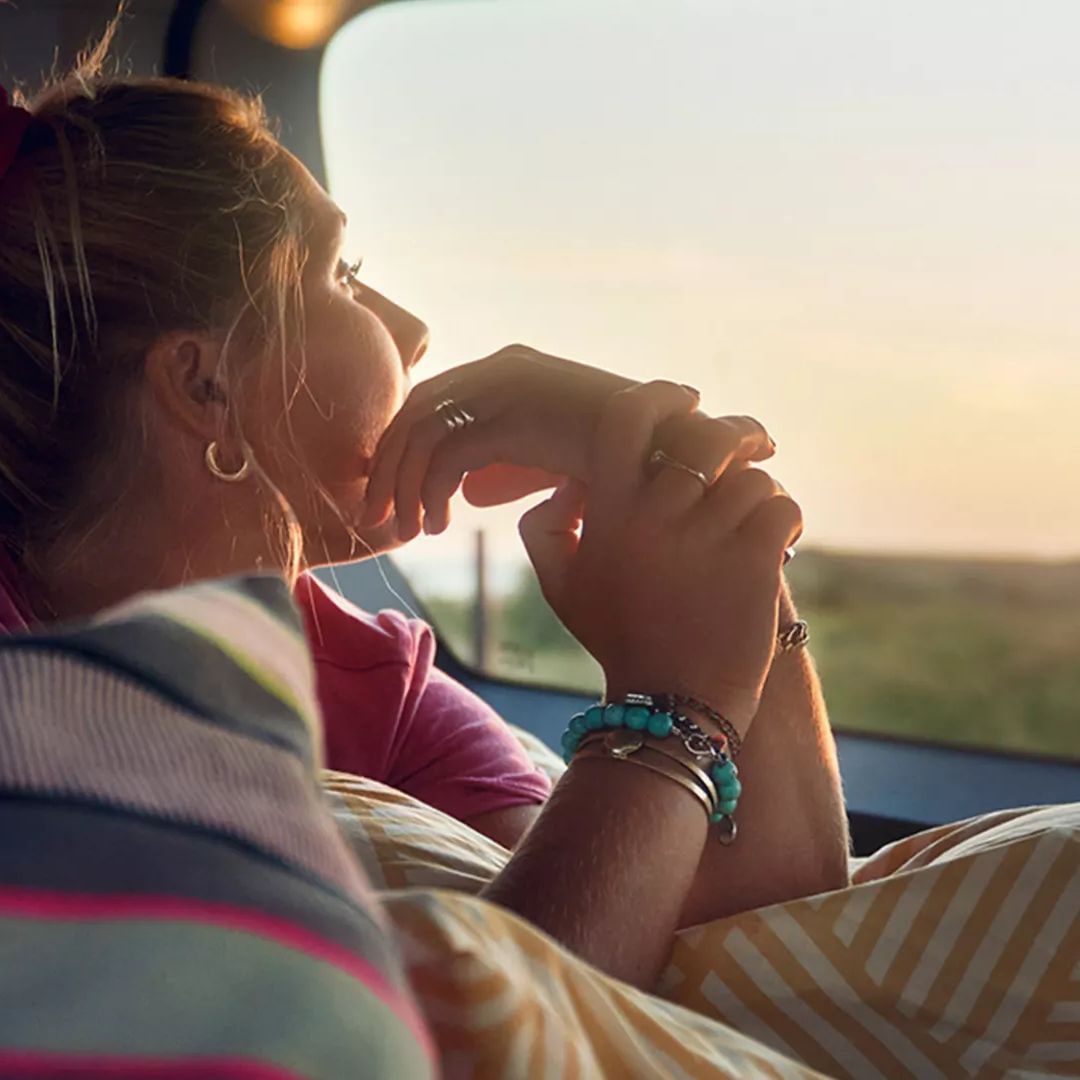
column 859, row 221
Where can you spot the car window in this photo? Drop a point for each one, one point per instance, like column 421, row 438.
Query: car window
column 859, row 221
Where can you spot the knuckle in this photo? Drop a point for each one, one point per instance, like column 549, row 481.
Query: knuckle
column 755, row 482
column 430, row 430
column 530, row 521
column 499, row 358
column 787, row 511
column 651, row 389
column 721, row 433
column 642, row 404
column 756, row 424
column 627, row 405
column 706, row 442
column 788, row 505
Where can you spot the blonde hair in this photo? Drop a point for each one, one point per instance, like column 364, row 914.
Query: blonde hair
column 134, row 207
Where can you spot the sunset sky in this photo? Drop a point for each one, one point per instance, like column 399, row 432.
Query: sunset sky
column 859, row 221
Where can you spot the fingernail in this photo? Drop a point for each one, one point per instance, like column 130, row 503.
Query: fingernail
column 691, row 389
column 434, row 523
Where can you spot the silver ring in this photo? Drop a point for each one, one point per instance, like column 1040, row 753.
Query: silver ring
column 659, row 460
column 453, row 415
column 792, row 637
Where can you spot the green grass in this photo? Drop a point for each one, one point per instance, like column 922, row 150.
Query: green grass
column 973, row 652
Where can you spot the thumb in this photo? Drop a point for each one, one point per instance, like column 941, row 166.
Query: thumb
column 549, row 532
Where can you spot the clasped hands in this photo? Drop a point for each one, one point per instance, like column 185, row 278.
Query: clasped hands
column 666, row 566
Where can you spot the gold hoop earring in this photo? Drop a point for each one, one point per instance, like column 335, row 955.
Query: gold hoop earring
column 211, row 460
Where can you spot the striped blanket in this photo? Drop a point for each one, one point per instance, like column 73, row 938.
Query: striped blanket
column 175, row 901
column 955, row 953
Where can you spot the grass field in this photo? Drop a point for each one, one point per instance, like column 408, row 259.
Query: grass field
column 983, row 653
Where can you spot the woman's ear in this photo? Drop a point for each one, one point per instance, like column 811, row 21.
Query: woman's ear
column 184, row 377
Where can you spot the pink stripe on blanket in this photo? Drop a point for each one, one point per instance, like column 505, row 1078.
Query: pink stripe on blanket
column 27, row 1065
column 87, row 907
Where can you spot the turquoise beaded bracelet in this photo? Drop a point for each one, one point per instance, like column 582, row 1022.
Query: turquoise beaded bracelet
column 597, row 717
column 660, row 725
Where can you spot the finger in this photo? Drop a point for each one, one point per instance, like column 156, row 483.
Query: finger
column 447, row 465
column 624, row 438
column 733, row 499
column 498, row 484
column 759, row 435
column 550, row 534
column 419, row 406
column 430, row 439
column 413, row 467
column 707, row 446
column 773, row 527
column 466, row 461
column 379, row 497
column 479, row 445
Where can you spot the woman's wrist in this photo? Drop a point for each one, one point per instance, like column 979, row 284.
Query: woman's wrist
column 788, row 613
column 738, row 707
column 704, row 714
column 654, row 732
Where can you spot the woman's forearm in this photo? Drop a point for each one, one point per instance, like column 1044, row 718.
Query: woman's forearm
column 608, row 865
column 793, row 838
column 620, row 858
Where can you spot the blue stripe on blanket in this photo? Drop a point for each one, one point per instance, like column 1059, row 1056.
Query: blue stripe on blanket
column 121, row 852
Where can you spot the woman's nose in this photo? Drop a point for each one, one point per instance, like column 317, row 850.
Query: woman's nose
column 410, row 334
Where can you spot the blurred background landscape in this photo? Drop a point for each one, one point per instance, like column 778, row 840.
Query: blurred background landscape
column 857, row 221
column 979, row 652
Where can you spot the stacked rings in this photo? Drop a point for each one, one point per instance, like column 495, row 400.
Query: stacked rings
column 792, row 637
column 453, row 415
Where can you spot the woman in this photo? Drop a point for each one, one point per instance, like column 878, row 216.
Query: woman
column 194, row 383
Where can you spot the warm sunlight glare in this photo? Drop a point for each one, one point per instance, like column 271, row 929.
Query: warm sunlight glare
column 295, row 24
column 858, row 221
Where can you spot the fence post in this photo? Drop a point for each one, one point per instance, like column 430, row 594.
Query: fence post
column 481, row 606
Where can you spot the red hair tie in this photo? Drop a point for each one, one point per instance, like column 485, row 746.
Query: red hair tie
column 13, row 124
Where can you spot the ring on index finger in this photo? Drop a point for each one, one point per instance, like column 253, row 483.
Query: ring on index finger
column 453, row 415
column 659, row 460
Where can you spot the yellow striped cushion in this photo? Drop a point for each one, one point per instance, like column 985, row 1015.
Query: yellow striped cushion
column 401, row 841
column 955, row 953
column 505, row 1001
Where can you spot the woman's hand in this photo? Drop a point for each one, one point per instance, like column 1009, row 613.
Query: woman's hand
column 535, row 416
column 672, row 586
